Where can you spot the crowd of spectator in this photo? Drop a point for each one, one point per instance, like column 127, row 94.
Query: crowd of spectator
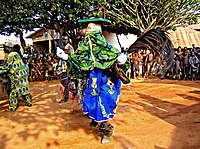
column 185, row 66
column 41, row 65
column 144, row 64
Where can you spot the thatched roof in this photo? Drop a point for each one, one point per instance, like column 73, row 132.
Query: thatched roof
column 186, row 36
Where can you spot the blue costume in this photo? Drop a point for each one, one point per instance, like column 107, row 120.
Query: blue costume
column 103, row 64
column 101, row 95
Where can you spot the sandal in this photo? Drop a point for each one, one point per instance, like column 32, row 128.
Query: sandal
column 105, row 139
column 106, row 132
column 93, row 124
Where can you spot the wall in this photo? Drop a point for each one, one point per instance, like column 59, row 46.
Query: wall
column 125, row 40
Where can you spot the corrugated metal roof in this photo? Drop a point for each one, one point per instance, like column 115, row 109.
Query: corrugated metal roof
column 186, row 36
column 37, row 31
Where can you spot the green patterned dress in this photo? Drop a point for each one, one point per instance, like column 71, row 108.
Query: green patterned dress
column 95, row 52
column 17, row 72
column 99, row 59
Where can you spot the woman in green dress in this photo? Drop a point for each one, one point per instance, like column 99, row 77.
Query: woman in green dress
column 15, row 69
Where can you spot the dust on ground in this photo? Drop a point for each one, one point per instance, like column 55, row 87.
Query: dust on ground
column 152, row 114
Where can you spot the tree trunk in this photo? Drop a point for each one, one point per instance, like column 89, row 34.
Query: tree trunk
column 22, row 41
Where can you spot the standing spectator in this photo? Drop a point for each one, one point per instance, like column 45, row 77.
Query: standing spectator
column 25, row 55
column 69, row 49
column 18, row 75
column 129, row 70
column 158, row 63
column 177, row 68
column 16, row 48
column 194, row 62
column 55, row 64
column 140, row 64
column 30, row 56
column 171, row 72
column 179, row 53
column 41, row 70
column 49, row 69
column 149, row 62
column 32, row 70
column 193, row 48
column 62, row 69
column 185, row 60
column 134, row 66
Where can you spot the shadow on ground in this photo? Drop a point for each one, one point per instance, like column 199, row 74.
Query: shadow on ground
column 47, row 116
column 64, row 124
column 173, row 105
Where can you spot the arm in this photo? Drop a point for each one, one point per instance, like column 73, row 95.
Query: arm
column 122, row 58
column 191, row 62
column 197, row 60
column 60, row 53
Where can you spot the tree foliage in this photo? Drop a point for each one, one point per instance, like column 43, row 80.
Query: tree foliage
column 144, row 15
column 15, row 17
column 61, row 15
column 127, row 16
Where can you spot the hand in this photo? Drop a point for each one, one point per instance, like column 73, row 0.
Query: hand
column 122, row 59
column 60, row 53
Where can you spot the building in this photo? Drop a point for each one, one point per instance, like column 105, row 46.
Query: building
column 42, row 40
column 183, row 36
column 186, row 36
column 2, row 54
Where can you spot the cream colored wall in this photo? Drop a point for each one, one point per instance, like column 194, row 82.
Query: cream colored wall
column 40, row 36
column 125, row 40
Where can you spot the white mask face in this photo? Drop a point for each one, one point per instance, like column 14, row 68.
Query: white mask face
column 93, row 27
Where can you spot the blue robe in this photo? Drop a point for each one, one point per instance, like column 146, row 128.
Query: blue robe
column 101, row 95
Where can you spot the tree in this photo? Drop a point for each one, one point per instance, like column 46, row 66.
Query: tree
column 61, row 15
column 150, row 20
column 143, row 15
column 127, row 16
column 15, row 17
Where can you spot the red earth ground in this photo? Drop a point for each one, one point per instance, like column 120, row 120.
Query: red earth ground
column 153, row 114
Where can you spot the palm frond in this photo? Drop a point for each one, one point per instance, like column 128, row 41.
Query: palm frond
column 158, row 42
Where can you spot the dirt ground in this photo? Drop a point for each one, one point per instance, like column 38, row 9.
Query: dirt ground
column 153, row 114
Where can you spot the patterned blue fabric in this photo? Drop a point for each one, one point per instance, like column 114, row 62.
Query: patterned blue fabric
column 101, row 95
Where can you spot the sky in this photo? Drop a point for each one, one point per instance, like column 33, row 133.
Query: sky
column 125, row 41
column 12, row 37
